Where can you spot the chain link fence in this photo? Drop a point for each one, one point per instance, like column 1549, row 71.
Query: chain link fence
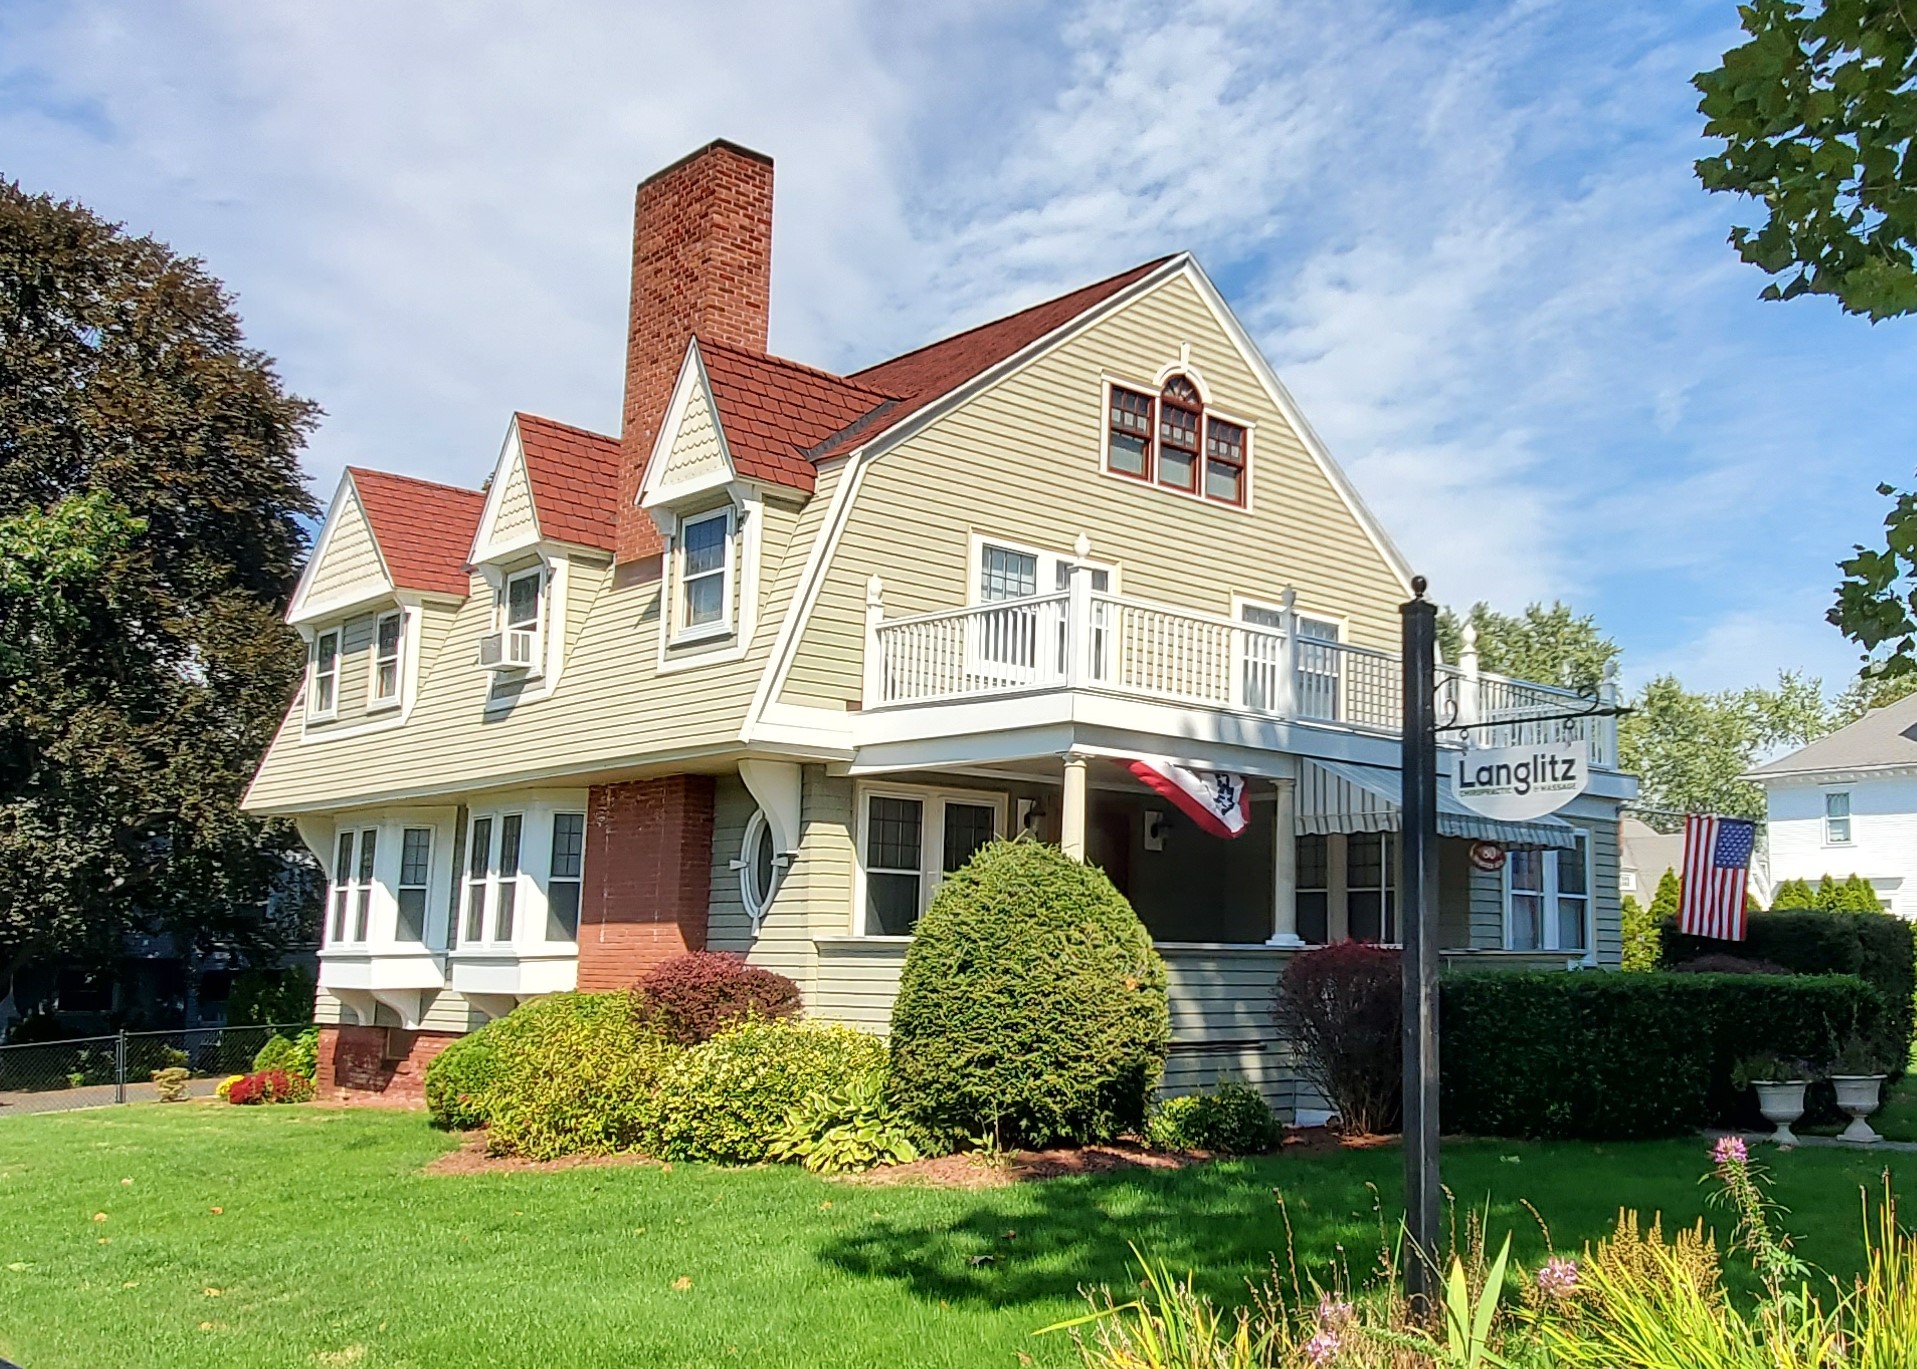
column 98, row 1071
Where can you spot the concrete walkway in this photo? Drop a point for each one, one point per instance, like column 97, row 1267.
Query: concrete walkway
column 91, row 1096
column 1757, row 1139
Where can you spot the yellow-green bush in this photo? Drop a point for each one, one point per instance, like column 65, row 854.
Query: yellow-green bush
column 572, row 1074
column 728, row 1100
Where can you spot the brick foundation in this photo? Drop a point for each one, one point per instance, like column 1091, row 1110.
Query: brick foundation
column 648, row 877
column 382, row 1060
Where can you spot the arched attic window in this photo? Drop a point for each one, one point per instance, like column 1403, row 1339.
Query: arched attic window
column 1169, row 439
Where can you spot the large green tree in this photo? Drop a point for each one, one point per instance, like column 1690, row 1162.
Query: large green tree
column 150, row 507
column 1689, row 749
column 1817, row 110
column 1550, row 645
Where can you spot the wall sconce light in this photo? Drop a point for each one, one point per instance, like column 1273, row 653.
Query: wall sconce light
column 1154, row 830
column 1029, row 813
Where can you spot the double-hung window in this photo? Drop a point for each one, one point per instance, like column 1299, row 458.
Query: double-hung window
column 1547, row 899
column 566, row 873
column 388, row 635
column 415, row 875
column 1170, row 439
column 703, row 598
column 1370, row 886
column 353, row 884
column 909, row 841
column 323, row 696
column 1314, row 889
column 492, row 877
column 523, row 600
column 1837, row 819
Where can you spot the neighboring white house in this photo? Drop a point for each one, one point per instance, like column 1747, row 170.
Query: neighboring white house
column 1847, row 804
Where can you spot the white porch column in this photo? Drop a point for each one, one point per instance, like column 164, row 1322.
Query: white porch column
column 1071, row 821
column 1284, row 865
column 874, row 686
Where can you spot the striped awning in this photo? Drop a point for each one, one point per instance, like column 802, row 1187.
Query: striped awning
column 1342, row 796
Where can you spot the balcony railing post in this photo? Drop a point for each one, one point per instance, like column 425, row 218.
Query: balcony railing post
column 874, row 648
column 1608, row 694
column 1467, row 677
column 1286, row 702
column 1078, row 616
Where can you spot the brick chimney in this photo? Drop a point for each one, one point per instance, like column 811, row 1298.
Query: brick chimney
column 701, row 263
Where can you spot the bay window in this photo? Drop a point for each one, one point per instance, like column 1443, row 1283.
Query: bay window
column 415, row 876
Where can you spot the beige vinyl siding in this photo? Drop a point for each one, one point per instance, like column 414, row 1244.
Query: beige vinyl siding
column 611, row 709
column 351, row 567
column 1487, row 897
column 858, row 981
column 354, row 687
column 516, row 517
column 695, row 448
column 328, row 1011
column 728, row 924
column 448, row 1011
column 1024, row 461
column 1222, row 1028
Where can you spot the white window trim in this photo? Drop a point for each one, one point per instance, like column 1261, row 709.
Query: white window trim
column 756, row 907
column 400, row 830
column 313, row 712
column 542, row 611
column 1849, row 819
column 1548, row 926
column 382, row 923
column 375, row 701
column 722, row 626
column 1152, row 390
column 931, row 840
column 552, row 815
column 1047, row 573
column 532, row 911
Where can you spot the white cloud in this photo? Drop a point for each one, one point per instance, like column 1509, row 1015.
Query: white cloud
column 1471, row 243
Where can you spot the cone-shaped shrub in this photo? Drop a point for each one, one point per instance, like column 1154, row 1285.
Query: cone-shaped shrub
column 1031, row 1006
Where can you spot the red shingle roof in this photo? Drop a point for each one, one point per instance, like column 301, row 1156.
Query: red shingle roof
column 921, row 376
column 774, row 411
column 423, row 529
column 575, row 480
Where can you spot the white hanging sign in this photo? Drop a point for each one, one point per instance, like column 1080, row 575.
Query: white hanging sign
column 1514, row 783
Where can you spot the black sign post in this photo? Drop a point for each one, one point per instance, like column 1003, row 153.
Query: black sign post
column 1419, row 915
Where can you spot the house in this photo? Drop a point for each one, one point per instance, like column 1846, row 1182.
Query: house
column 1847, row 804
column 755, row 674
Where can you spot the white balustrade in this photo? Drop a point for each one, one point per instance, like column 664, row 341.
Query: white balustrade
column 1079, row 639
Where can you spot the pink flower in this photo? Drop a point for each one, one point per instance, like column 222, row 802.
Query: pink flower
column 1730, row 1150
column 1558, row 1278
column 1322, row 1348
column 1334, row 1314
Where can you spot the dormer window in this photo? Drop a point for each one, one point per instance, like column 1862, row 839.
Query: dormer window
column 323, row 697
column 519, row 614
column 1171, row 440
column 388, row 635
column 702, row 605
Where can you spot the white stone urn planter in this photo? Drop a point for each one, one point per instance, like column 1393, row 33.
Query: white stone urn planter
column 1782, row 1103
column 1859, row 1095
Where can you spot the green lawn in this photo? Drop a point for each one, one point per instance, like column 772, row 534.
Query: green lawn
column 333, row 1249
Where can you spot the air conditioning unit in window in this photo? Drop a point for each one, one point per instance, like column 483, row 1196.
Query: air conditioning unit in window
column 513, row 649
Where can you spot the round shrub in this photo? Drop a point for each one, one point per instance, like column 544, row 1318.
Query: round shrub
column 728, row 1100
column 270, row 1086
column 693, row 997
column 1235, row 1120
column 1031, row 1007
column 574, row 1075
column 460, row 1078
column 276, row 1054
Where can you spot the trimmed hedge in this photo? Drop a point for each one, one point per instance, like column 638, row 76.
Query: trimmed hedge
column 1625, row 1056
column 1031, row 1007
column 1877, row 947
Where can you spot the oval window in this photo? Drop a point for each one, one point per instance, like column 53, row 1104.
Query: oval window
column 759, row 867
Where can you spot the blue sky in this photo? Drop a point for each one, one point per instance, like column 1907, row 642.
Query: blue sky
column 1467, row 235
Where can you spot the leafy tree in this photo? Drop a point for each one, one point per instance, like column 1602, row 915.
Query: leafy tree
column 1664, row 903
column 1867, row 692
column 1877, row 602
column 1793, row 893
column 1689, row 749
column 1550, row 645
column 1642, row 938
column 1818, row 112
column 150, row 500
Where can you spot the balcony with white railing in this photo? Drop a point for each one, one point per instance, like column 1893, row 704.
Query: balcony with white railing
column 1081, row 639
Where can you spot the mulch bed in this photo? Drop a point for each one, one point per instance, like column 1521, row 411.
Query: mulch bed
column 944, row 1171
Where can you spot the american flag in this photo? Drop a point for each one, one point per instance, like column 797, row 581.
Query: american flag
column 1717, row 864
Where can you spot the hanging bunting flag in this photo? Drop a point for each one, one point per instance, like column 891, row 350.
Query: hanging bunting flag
column 1717, row 866
column 1217, row 801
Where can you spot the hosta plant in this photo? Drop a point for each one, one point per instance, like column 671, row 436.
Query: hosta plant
column 845, row 1129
